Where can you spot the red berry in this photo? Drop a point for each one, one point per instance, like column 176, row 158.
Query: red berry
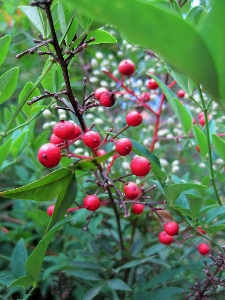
column 107, row 99
column 201, row 230
column 49, row 155
column 201, row 115
column 180, row 93
column 165, row 239
column 134, row 118
column 140, row 166
column 131, row 190
column 126, row 67
column 92, row 139
column 76, row 133
column 56, row 140
column 50, row 210
column 123, row 146
column 197, row 148
column 64, row 129
column 203, row 249
column 137, row 208
column 145, row 96
column 101, row 152
column 152, row 84
column 201, row 118
column 91, row 202
column 201, row 121
column 171, row 228
column 99, row 91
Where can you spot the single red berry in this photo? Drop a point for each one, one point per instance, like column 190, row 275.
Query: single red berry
column 152, row 84
column 76, row 133
column 56, row 140
column 131, row 190
column 134, row 118
column 201, row 121
column 145, row 96
column 50, row 210
column 49, row 155
column 92, row 139
column 64, row 129
column 99, row 91
column 165, row 239
column 126, row 67
column 180, row 93
column 101, row 152
column 201, row 115
column 203, row 249
column 171, row 228
column 197, row 148
column 140, row 166
column 137, row 208
column 201, row 230
column 123, row 146
column 107, row 99
column 91, row 202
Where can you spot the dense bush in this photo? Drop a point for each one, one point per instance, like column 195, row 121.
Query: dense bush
column 124, row 201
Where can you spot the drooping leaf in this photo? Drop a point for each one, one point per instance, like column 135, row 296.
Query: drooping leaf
column 219, row 146
column 23, row 281
column 28, row 95
column 4, row 47
column 193, row 59
column 195, row 204
column 93, row 292
column 118, row 284
column 201, row 140
column 35, row 260
column 4, row 151
column 65, row 199
column 43, row 189
column 8, row 82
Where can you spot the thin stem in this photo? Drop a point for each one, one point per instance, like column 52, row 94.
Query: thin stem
column 205, row 110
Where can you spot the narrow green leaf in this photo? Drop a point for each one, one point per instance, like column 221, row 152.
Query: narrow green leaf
column 195, row 204
column 35, row 260
column 24, row 281
column 214, row 213
column 101, row 37
column 4, row 47
column 195, row 14
column 87, row 275
column 19, row 257
column 118, row 284
column 184, row 117
column 4, row 151
column 35, row 17
column 43, row 189
column 8, row 82
column 64, row 201
column 191, row 57
column 219, row 146
column 18, row 144
column 201, row 140
column 181, row 79
column 210, row 28
column 172, row 191
column 28, row 95
column 93, row 292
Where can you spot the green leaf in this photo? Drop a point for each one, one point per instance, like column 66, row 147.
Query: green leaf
column 195, row 204
column 172, row 191
column 23, row 281
column 168, row 291
column 180, row 111
column 43, row 189
column 210, row 29
column 64, row 201
column 87, row 275
column 219, row 146
column 191, row 56
column 35, row 17
column 214, row 213
column 93, row 292
column 28, row 95
column 195, row 14
column 92, row 163
column 4, row 47
column 201, row 140
column 101, row 37
column 35, row 260
column 4, row 151
column 118, row 284
column 18, row 144
column 19, row 257
column 8, row 82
